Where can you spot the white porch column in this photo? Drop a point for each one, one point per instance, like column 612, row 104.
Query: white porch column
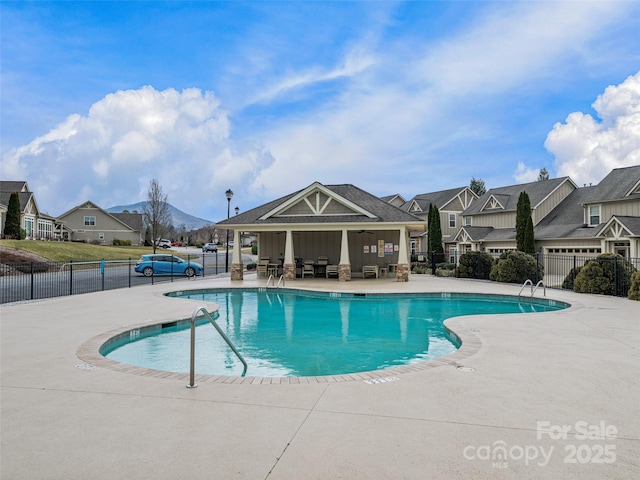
column 344, row 267
column 236, row 259
column 402, row 273
column 289, row 266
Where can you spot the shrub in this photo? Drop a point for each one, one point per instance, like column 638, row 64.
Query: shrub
column 254, row 249
column 121, row 243
column 609, row 274
column 251, row 266
column 634, row 291
column 516, row 267
column 567, row 284
column 475, row 265
column 420, row 270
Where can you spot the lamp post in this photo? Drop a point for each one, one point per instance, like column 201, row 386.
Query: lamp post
column 229, row 195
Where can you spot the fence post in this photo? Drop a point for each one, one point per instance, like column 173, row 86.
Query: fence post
column 615, row 276
column 537, row 269
column 433, row 262
column 102, row 272
column 129, row 273
column 70, row 277
column 32, row 278
column 203, row 262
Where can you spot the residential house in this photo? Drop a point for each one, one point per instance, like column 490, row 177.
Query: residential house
column 36, row 225
column 355, row 232
column 579, row 223
column 490, row 221
column 450, row 203
column 90, row 223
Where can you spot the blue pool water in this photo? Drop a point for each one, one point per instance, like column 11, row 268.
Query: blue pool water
column 296, row 333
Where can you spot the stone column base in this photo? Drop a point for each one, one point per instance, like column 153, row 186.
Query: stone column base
column 344, row 273
column 289, row 271
column 402, row 273
column 237, row 271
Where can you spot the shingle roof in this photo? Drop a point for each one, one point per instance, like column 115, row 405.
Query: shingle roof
column 23, row 196
column 133, row 220
column 508, row 196
column 618, row 183
column 439, row 199
column 383, row 211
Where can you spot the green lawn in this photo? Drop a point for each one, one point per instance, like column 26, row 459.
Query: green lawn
column 65, row 251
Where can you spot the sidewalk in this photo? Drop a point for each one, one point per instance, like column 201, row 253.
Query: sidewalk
column 516, row 410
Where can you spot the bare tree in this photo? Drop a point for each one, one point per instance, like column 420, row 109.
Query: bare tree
column 156, row 212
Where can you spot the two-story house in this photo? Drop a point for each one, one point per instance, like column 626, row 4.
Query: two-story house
column 36, row 224
column 450, row 203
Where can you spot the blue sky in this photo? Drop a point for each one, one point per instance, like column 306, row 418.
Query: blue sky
column 266, row 97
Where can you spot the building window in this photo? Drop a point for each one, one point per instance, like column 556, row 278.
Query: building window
column 101, row 236
column 467, row 221
column 452, row 220
column 594, row 215
column 89, row 221
column 453, row 255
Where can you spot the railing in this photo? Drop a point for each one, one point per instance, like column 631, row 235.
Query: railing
column 192, row 365
column 533, row 289
column 24, row 281
column 272, row 280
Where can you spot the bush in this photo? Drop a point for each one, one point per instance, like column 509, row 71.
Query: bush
column 475, row 265
column 567, row 284
column 609, row 274
column 121, row 243
column 634, row 291
column 254, row 249
column 420, row 270
column 251, row 266
column 516, row 267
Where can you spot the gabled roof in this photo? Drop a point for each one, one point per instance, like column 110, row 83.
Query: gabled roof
column 621, row 226
column 391, row 198
column 134, row 220
column 506, row 198
column 324, row 204
column 440, row 199
column 24, row 198
column 13, row 186
column 620, row 184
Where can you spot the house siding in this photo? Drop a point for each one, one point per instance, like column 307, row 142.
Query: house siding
column 629, row 208
column 552, row 201
column 499, row 219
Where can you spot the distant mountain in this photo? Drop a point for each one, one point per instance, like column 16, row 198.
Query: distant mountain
column 178, row 217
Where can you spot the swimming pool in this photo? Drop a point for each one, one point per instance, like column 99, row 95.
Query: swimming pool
column 301, row 333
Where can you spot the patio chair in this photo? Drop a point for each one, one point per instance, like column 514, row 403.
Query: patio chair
column 370, row 271
column 308, row 269
column 332, row 270
column 261, row 268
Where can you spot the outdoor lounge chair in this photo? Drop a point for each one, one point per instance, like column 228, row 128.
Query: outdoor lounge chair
column 308, row 269
column 261, row 268
column 370, row 271
column 331, row 270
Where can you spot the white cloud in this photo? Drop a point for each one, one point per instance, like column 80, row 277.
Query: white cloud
column 129, row 137
column 526, row 174
column 586, row 149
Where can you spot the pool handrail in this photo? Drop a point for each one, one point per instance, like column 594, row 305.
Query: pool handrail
column 533, row 289
column 192, row 383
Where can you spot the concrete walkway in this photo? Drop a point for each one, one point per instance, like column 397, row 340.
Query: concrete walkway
column 530, row 387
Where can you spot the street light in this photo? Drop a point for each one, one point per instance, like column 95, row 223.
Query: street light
column 229, row 195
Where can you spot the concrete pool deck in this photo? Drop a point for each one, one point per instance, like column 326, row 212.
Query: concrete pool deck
column 551, row 395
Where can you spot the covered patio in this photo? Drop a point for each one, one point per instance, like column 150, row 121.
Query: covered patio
column 332, row 229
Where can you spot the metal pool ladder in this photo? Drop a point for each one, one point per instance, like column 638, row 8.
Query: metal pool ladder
column 192, row 383
column 272, row 280
column 533, row 289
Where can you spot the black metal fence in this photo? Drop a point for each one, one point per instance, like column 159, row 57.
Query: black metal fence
column 20, row 281
column 560, row 271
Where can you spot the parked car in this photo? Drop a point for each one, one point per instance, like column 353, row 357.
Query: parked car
column 177, row 243
column 209, row 247
column 164, row 243
column 162, row 264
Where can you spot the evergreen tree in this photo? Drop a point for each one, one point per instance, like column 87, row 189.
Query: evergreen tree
column 435, row 233
column 477, row 186
column 12, row 222
column 529, row 241
column 523, row 211
column 543, row 175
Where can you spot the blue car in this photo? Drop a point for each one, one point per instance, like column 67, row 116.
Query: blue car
column 162, row 264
